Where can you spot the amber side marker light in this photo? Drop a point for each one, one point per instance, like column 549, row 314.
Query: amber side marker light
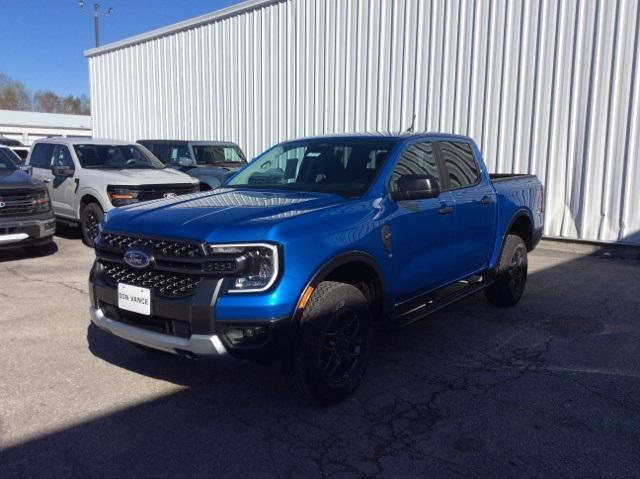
column 305, row 297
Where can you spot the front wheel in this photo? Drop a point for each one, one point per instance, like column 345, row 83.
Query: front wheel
column 90, row 218
column 332, row 346
column 510, row 276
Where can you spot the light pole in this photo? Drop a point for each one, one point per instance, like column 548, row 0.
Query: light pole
column 96, row 18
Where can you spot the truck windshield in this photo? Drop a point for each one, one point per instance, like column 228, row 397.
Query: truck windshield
column 6, row 162
column 341, row 166
column 116, row 157
column 218, row 154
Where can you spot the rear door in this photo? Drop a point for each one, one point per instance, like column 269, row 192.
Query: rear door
column 63, row 188
column 475, row 203
column 40, row 161
column 422, row 231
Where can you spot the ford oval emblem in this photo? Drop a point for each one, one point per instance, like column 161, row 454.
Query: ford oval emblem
column 138, row 259
column 169, row 195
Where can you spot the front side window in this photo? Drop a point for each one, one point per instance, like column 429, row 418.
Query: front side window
column 341, row 166
column 460, row 163
column 62, row 156
column 6, row 160
column 218, row 155
column 116, row 157
column 41, row 155
column 418, row 159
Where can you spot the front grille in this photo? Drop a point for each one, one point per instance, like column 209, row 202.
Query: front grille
column 18, row 203
column 155, row 192
column 166, row 284
column 178, row 249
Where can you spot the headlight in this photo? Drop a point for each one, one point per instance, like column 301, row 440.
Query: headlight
column 121, row 195
column 41, row 201
column 260, row 265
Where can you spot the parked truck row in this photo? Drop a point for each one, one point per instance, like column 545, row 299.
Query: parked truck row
column 296, row 256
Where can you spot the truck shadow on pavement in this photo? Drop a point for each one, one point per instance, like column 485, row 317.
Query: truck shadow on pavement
column 549, row 387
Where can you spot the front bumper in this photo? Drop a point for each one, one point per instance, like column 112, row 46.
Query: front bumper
column 16, row 232
column 185, row 325
column 196, row 344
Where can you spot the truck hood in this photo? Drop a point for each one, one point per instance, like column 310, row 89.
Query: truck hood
column 135, row 176
column 222, row 215
column 18, row 179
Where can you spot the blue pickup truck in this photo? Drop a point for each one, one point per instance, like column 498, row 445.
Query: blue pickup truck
column 312, row 245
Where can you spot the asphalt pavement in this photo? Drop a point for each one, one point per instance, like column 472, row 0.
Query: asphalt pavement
column 548, row 388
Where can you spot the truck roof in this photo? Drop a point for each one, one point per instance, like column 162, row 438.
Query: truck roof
column 79, row 140
column 185, row 142
column 382, row 135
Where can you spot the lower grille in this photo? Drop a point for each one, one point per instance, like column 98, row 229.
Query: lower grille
column 157, row 324
column 170, row 285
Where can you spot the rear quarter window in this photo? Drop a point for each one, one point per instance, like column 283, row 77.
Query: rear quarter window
column 460, row 163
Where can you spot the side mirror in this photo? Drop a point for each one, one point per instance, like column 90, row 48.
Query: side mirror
column 416, row 187
column 27, row 169
column 63, row 170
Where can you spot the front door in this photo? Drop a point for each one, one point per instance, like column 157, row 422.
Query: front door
column 422, row 231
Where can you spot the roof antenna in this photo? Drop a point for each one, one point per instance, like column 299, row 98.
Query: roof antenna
column 413, row 122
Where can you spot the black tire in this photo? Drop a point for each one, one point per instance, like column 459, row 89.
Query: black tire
column 510, row 276
column 90, row 217
column 331, row 350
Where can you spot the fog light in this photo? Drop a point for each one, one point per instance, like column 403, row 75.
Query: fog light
column 246, row 334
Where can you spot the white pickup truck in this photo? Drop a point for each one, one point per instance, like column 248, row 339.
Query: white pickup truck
column 88, row 177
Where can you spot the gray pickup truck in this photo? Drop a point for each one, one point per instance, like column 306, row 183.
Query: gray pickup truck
column 88, row 177
column 211, row 162
column 26, row 219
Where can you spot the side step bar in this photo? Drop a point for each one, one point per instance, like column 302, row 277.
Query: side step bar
column 429, row 306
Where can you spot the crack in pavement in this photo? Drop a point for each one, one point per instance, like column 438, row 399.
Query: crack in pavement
column 44, row 281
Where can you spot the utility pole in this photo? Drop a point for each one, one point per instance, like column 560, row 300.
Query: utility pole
column 96, row 18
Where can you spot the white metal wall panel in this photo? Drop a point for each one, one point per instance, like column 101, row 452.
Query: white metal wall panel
column 549, row 87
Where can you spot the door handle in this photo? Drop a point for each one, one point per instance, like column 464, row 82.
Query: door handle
column 486, row 200
column 47, row 180
column 445, row 210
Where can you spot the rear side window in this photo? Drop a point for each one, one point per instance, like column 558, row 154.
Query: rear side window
column 459, row 163
column 41, row 155
column 418, row 159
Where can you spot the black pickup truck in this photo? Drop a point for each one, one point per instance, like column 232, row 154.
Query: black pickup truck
column 26, row 218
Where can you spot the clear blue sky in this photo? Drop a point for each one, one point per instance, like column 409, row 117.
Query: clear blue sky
column 41, row 41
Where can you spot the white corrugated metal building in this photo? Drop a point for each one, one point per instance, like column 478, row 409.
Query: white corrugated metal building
column 550, row 87
column 28, row 126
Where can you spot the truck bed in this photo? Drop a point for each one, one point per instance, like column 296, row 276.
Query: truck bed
column 495, row 177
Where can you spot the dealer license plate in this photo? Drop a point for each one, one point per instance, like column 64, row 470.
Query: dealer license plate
column 134, row 299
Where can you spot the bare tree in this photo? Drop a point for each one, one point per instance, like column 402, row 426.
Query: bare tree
column 13, row 95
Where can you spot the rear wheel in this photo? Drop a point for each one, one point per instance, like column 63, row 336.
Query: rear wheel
column 332, row 347
column 510, row 275
column 90, row 218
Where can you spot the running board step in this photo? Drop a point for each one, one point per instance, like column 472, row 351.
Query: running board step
column 421, row 310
